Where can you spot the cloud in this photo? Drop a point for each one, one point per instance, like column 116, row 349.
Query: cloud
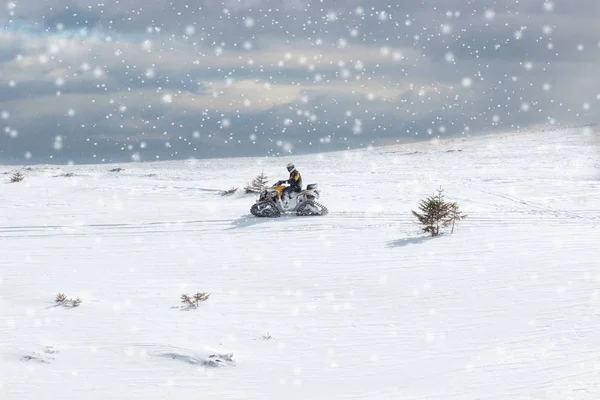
column 172, row 79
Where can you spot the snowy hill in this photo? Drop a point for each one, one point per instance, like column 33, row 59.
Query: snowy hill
column 353, row 305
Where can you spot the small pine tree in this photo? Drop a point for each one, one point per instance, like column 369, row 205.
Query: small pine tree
column 258, row 184
column 454, row 214
column 435, row 213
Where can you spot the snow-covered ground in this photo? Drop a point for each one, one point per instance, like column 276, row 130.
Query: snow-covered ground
column 354, row 305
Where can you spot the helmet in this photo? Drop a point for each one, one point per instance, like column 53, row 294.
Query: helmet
column 290, row 167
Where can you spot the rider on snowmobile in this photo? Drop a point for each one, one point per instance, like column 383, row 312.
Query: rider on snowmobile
column 295, row 181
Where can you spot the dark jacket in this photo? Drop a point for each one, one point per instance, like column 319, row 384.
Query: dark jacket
column 295, row 181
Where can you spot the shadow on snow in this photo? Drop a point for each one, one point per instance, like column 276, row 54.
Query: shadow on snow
column 409, row 241
column 249, row 220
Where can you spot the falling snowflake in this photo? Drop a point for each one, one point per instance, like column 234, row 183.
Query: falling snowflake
column 58, row 144
column 98, row 72
column 190, row 30
column 357, row 128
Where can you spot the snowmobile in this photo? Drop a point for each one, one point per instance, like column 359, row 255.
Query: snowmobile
column 272, row 202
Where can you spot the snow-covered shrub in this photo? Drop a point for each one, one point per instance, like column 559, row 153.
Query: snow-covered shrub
column 17, row 177
column 62, row 300
column 437, row 213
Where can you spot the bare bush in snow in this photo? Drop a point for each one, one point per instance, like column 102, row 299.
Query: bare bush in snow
column 229, row 191
column 195, row 300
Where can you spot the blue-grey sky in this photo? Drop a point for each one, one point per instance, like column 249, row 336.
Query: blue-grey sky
column 84, row 81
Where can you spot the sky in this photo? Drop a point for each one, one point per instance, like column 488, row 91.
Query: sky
column 82, row 81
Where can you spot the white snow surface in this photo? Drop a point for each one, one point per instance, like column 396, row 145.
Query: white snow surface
column 354, row 305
